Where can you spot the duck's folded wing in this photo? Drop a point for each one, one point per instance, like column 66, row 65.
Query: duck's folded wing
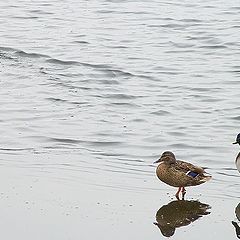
column 188, row 167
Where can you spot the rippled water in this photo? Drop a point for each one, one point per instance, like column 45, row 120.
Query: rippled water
column 92, row 92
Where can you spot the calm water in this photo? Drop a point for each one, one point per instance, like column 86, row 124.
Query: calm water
column 92, row 92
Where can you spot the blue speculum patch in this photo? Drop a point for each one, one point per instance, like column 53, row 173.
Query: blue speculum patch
column 192, row 174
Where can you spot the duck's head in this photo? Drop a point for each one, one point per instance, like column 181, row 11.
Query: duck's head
column 167, row 157
column 237, row 139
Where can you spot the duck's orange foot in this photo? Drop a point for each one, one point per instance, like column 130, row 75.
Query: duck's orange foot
column 183, row 191
column 178, row 192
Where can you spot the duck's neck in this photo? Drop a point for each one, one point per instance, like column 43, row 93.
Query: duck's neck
column 169, row 160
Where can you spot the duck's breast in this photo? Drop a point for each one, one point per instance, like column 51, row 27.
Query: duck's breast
column 238, row 162
column 170, row 176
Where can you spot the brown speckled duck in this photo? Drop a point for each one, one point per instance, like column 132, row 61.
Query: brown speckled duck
column 179, row 173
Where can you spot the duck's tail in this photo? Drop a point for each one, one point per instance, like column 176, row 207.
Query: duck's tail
column 205, row 178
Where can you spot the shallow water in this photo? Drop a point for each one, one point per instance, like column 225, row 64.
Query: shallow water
column 93, row 92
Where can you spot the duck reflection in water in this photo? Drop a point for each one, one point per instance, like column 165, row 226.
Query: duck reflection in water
column 235, row 224
column 179, row 213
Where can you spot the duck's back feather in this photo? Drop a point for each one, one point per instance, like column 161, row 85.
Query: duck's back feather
column 186, row 167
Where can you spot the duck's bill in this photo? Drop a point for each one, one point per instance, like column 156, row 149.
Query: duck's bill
column 235, row 143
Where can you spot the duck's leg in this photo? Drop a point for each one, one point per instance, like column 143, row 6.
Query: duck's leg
column 183, row 192
column 177, row 194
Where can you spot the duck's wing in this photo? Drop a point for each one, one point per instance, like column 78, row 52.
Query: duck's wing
column 188, row 167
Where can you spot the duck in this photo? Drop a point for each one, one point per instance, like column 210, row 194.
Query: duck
column 179, row 174
column 237, row 161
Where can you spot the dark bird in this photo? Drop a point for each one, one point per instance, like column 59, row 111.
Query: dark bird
column 179, row 174
column 237, row 161
column 235, row 224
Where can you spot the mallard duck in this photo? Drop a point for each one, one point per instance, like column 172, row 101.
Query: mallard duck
column 237, row 161
column 179, row 173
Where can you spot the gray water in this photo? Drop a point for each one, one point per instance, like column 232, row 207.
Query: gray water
column 92, row 92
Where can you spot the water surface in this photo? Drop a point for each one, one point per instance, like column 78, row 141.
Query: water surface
column 93, row 92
